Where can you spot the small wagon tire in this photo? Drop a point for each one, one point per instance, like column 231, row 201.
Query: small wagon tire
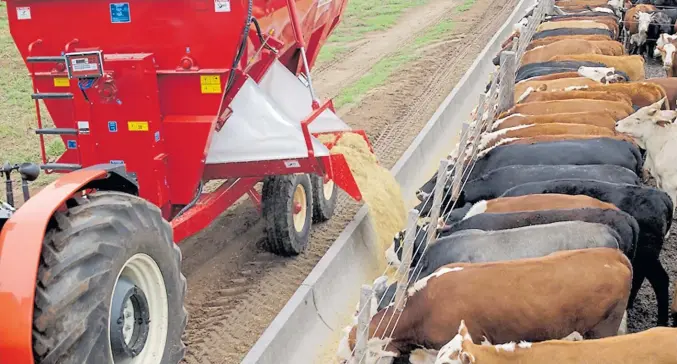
column 109, row 286
column 324, row 198
column 288, row 210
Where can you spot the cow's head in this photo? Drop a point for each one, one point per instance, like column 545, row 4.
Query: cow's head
column 453, row 352
column 395, row 251
column 662, row 40
column 604, row 75
column 641, row 125
column 643, row 20
column 376, row 349
column 616, row 4
column 667, row 52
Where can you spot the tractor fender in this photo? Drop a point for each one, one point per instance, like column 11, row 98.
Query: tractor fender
column 21, row 246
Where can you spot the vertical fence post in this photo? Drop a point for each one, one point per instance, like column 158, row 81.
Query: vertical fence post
column 506, row 92
column 437, row 200
column 407, row 251
column 363, row 321
column 481, row 123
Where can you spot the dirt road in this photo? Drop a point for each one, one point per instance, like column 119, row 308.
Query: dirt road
column 235, row 288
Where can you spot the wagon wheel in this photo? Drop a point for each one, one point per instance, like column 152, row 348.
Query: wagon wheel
column 288, row 211
column 109, row 287
column 324, row 198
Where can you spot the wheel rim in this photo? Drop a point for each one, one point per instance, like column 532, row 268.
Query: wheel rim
column 139, row 290
column 328, row 190
column 300, row 209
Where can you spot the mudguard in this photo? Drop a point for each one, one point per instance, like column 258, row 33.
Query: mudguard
column 21, row 245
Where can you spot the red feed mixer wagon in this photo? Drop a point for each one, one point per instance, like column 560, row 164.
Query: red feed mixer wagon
column 153, row 99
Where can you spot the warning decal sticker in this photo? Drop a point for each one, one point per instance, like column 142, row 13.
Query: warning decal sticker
column 137, row 125
column 61, row 82
column 222, row 6
column 210, row 84
column 23, row 13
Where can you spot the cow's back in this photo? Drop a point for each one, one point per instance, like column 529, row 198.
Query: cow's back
column 579, row 152
column 557, row 289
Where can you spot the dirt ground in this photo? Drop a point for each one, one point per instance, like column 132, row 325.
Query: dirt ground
column 235, row 289
column 643, row 315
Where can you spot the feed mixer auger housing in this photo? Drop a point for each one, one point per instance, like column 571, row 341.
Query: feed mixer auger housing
column 153, row 99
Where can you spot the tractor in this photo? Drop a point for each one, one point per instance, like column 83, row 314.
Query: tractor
column 155, row 100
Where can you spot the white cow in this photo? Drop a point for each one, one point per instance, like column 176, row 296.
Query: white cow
column 653, row 129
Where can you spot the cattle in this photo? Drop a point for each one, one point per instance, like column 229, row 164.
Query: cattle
column 653, row 210
column 625, row 225
column 598, row 118
column 579, row 152
column 492, row 139
column 547, row 68
column 660, row 23
column 668, row 53
column 557, row 289
column 637, row 22
column 576, row 152
column 632, row 20
column 497, row 181
column 610, row 48
column 585, row 24
column 577, row 94
column 524, row 88
column 587, row 14
column 557, row 137
column 610, row 21
column 654, row 129
column 669, row 86
column 572, row 31
column 569, row 46
column 662, row 40
column 549, row 40
column 656, row 344
column 633, row 66
column 618, row 109
column 641, row 93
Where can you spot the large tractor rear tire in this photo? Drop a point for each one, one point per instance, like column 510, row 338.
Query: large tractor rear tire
column 288, row 210
column 109, row 288
column 324, row 198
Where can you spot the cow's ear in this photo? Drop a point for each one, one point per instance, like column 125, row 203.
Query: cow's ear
column 467, row 358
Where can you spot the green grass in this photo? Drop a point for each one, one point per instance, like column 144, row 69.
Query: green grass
column 362, row 17
column 17, row 111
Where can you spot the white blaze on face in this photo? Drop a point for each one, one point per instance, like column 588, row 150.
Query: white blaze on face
column 669, row 54
column 604, row 10
column 616, row 4
column 596, row 73
column 422, row 283
column 526, row 94
column 643, row 21
column 423, row 356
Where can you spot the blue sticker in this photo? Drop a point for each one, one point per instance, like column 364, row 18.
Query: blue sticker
column 113, row 126
column 119, row 13
column 72, row 144
column 157, row 136
column 117, row 161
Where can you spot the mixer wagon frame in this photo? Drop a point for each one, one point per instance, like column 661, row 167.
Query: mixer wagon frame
column 153, row 99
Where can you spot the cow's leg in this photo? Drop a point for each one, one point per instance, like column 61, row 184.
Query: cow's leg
column 660, row 282
column 609, row 326
column 638, row 275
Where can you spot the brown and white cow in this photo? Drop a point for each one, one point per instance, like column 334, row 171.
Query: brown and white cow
column 568, row 46
column 633, row 65
column 527, row 86
column 547, row 40
column 548, row 297
column 656, row 346
column 669, row 86
column 641, row 93
column 597, row 118
column 526, row 131
column 538, row 202
column 617, row 109
column 576, row 94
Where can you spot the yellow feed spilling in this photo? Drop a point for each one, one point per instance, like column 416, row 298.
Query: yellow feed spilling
column 380, row 190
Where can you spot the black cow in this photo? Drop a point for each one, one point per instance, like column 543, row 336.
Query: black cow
column 652, row 208
column 497, row 181
column 572, row 31
column 576, row 152
column 625, row 225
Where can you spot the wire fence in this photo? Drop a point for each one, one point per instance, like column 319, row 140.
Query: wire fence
column 499, row 98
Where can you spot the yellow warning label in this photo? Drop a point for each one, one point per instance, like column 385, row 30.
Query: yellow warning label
column 137, row 125
column 61, row 82
column 210, row 84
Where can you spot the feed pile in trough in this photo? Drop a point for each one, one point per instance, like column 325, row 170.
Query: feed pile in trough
column 380, row 190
